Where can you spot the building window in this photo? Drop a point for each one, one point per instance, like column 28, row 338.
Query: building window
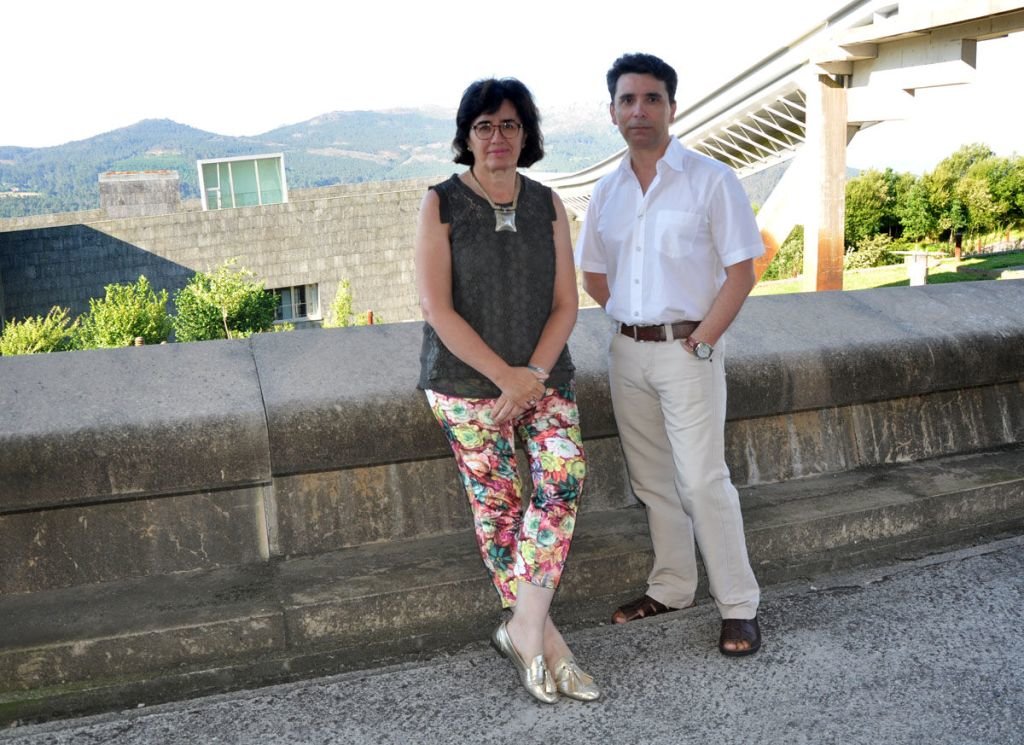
column 242, row 182
column 299, row 303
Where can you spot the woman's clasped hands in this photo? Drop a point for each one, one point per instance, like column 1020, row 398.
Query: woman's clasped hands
column 521, row 389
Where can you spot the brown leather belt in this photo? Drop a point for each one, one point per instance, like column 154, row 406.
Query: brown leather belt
column 680, row 330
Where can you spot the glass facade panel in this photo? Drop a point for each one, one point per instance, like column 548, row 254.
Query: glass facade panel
column 313, row 301
column 211, row 183
column 270, row 181
column 284, row 304
column 297, row 303
column 226, row 197
column 243, row 181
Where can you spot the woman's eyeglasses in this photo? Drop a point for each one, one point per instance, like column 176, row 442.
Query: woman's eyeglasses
column 509, row 128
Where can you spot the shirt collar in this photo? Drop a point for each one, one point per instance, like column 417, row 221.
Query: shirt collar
column 675, row 155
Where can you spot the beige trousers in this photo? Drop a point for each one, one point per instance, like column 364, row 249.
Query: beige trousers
column 670, row 411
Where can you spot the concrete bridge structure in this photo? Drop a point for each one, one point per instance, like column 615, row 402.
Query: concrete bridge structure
column 806, row 101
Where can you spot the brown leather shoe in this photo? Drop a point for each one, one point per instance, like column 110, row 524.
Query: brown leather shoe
column 644, row 607
column 738, row 630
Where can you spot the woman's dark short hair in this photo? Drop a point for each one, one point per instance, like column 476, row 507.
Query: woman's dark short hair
column 486, row 97
column 643, row 64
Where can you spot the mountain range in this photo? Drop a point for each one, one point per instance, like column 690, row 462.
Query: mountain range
column 339, row 147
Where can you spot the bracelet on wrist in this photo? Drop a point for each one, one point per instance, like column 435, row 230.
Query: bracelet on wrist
column 537, row 369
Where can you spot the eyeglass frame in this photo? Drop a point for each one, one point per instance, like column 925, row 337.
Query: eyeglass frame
column 497, row 127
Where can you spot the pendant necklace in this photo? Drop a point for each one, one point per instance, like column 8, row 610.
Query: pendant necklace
column 504, row 215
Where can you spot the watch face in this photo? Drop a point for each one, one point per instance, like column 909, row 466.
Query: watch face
column 703, row 350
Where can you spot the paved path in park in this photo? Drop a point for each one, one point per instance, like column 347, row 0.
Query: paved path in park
column 919, row 652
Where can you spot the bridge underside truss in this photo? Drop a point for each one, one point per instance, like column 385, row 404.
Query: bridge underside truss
column 762, row 137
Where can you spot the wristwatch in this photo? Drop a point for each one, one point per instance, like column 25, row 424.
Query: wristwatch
column 700, row 349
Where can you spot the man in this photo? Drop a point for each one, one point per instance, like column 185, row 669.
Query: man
column 667, row 250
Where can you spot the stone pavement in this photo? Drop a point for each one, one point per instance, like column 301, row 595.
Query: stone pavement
column 920, row 651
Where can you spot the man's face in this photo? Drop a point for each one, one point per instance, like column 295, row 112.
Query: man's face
column 642, row 112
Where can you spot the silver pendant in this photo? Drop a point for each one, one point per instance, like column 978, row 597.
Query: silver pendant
column 504, row 219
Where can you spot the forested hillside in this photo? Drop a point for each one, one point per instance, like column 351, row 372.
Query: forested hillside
column 341, row 147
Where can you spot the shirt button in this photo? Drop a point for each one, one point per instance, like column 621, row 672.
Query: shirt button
column 636, row 313
column 636, row 281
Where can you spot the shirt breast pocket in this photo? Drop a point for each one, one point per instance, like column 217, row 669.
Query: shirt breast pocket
column 677, row 233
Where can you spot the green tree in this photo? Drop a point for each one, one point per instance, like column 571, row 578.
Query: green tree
column 948, row 206
column 54, row 333
column 980, row 209
column 916, row 214
column 228, row 303
column 873, row 200
column 127, row 311
column 899, row 186
column 867, row 205
column 1005, row 180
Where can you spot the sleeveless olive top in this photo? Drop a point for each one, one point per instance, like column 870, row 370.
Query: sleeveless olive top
column 502, row 285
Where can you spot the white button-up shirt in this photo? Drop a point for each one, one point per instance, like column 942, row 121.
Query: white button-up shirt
column 665, row 251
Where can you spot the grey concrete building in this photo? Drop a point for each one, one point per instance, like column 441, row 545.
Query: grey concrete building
column 362, row 233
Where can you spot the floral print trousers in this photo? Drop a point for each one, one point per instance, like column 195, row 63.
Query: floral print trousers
column 528, row 542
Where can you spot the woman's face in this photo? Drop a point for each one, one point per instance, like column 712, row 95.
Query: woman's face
column 501, row 150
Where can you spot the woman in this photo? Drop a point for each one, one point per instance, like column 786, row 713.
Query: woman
column 497, row 286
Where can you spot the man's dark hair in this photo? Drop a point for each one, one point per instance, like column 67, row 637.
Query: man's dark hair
column 486, row 97
column 643, row 64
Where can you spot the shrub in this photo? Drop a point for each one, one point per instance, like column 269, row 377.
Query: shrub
column 54, row 333
column 229, row 303
column 789, row 259
column 874, row 251
column 197, row 319
column 341, row 310
column 125, row 313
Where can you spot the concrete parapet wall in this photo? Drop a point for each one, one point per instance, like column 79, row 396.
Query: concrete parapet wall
column 129, row 463
column 101, row 425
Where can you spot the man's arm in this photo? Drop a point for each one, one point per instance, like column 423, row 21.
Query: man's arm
column 596, row 285
column 739, row 281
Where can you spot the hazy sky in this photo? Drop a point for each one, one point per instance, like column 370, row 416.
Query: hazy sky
column 75, row 69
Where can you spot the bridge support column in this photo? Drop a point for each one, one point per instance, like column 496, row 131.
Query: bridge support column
column 824, row 226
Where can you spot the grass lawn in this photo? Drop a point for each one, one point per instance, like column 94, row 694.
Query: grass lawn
column 971, row 269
